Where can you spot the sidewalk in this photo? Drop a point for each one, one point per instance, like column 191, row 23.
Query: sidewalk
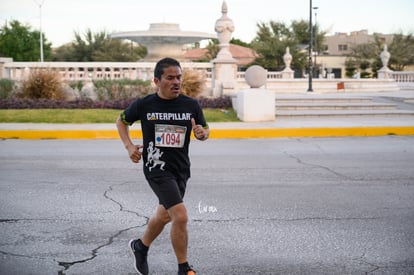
column 283, row 127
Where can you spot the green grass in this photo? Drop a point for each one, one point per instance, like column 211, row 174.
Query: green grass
column 90, row 115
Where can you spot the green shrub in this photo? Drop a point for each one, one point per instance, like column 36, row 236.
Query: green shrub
column 43, row 83
column 365, row 74
column 107, row 89
column 7, row 88
column 76, row 85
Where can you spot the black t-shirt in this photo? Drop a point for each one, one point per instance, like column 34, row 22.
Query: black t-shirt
column 166, row 128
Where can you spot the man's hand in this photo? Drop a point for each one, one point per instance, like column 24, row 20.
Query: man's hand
column 134, row 152
column 199, row 132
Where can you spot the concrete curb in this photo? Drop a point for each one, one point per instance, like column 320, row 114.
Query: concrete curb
column 215, row 133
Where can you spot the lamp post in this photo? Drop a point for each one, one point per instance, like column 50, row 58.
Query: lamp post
column 316, row 43
column 310, row 49
column 41, row 34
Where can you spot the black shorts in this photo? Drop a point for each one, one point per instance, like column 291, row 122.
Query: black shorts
column 169, row 190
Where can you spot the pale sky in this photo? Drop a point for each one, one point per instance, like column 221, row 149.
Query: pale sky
column 61, row 18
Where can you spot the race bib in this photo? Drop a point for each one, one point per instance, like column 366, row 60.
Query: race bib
column 170, row 135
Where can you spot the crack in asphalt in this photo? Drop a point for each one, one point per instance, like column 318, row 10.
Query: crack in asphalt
column 20, row 255
column 374, row 268
column 288, row 220
column 94, row 252
column 9, row 220
column 300, row 161
column 25, row 219
column 121, row 207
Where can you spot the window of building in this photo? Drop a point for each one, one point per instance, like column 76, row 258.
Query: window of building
column 342, row 47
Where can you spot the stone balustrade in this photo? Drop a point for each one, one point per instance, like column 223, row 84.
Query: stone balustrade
column 74, row 71
column 87, row 71
column 405, row 80
column 270, row 75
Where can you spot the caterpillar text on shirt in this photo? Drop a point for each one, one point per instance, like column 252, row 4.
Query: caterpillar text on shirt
column 168, row 116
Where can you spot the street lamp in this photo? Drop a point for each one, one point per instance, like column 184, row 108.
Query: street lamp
column 41, row 34
column 310, row 49
column 316, row 42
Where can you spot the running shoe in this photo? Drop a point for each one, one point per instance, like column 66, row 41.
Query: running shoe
column 140, row 259
column 190, row 271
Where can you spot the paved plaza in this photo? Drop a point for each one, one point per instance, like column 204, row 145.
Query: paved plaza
column 327, row 205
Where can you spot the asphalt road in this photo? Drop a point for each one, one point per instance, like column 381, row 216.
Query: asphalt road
column 257, row 206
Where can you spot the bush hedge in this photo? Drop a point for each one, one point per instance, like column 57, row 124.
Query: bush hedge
column 7, row 88
column 43, row 83
column 87, row 103
column 44, row 89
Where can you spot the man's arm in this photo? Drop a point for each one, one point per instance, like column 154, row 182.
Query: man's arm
column 133, row 150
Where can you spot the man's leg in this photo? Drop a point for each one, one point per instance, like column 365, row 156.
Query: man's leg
column 155, row 225
column 139, row 248
column 179, row 235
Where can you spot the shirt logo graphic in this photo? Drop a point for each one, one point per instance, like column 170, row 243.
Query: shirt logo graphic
column 154, row 155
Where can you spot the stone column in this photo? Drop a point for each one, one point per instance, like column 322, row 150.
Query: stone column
column 4, row 72
column 224, row 65
column 384, row 72
column 287, row 72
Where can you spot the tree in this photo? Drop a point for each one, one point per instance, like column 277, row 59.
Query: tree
column 213, row 48
column 273, row 38
column 99, row 47
column 119, row 51
column 21, row 43
column 301, row 31
column 402, row 51
column 239, row 42
column 64, row 53
column 364, row 56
